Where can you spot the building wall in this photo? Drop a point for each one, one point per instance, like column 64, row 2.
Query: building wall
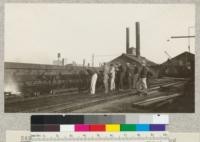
column 180, row 66
column 29, row 78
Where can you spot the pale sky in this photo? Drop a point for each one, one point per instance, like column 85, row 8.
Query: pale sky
column 35, row 33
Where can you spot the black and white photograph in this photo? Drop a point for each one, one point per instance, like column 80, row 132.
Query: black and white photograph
column 99, row 58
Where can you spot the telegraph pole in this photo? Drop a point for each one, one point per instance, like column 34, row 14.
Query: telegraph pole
column 58, row 55
column 92, row 60
column 83, row 62
column 188, row 37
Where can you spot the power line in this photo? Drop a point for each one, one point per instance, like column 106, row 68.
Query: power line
column 106, row 55
column 182, row 36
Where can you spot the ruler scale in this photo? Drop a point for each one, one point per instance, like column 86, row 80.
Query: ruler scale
column 100, row 137
column 27, row 136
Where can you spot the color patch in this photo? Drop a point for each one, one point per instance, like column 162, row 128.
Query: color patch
column 127, row 127
column 157, row 127
column 112, row 127
column 52, row 128
column 142, row 127
column 97, row 127
column 37, row 128
column 57, row 119
column 82, row 127
column 160, row 119
column 67, row 128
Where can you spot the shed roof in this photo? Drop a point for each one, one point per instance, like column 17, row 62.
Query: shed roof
column 180, row 56
column 136, row 59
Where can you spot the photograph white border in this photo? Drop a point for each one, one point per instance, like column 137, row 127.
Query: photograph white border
column 178, row 122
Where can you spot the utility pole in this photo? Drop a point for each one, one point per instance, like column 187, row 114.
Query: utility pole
column 59, row 55
column 63, row 61
column 187, row 37
column 92, row 60
column 83, row 62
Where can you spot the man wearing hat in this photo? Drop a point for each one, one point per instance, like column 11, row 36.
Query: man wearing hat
column 112, row 80
column 106, row 70
column 129, row 75
column 143, row 76
column 117, row 76
column 94, row 76
column 135, row 76
column 122, row 76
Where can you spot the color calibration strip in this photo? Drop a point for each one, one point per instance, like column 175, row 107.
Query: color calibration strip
column 98, row 127
column 100, row 119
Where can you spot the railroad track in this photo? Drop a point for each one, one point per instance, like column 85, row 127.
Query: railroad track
column 137, row 103
column 69, row 103
column 95, row 100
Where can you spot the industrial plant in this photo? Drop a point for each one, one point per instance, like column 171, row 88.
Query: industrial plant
column 63, row 87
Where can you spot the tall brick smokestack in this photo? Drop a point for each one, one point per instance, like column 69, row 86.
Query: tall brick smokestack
column 127, row 40
column 137, row 29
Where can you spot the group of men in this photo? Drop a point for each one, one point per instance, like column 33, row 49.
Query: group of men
column 117, row 77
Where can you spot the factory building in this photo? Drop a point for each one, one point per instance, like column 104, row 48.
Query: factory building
column 132, row 54
column 181, row 65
